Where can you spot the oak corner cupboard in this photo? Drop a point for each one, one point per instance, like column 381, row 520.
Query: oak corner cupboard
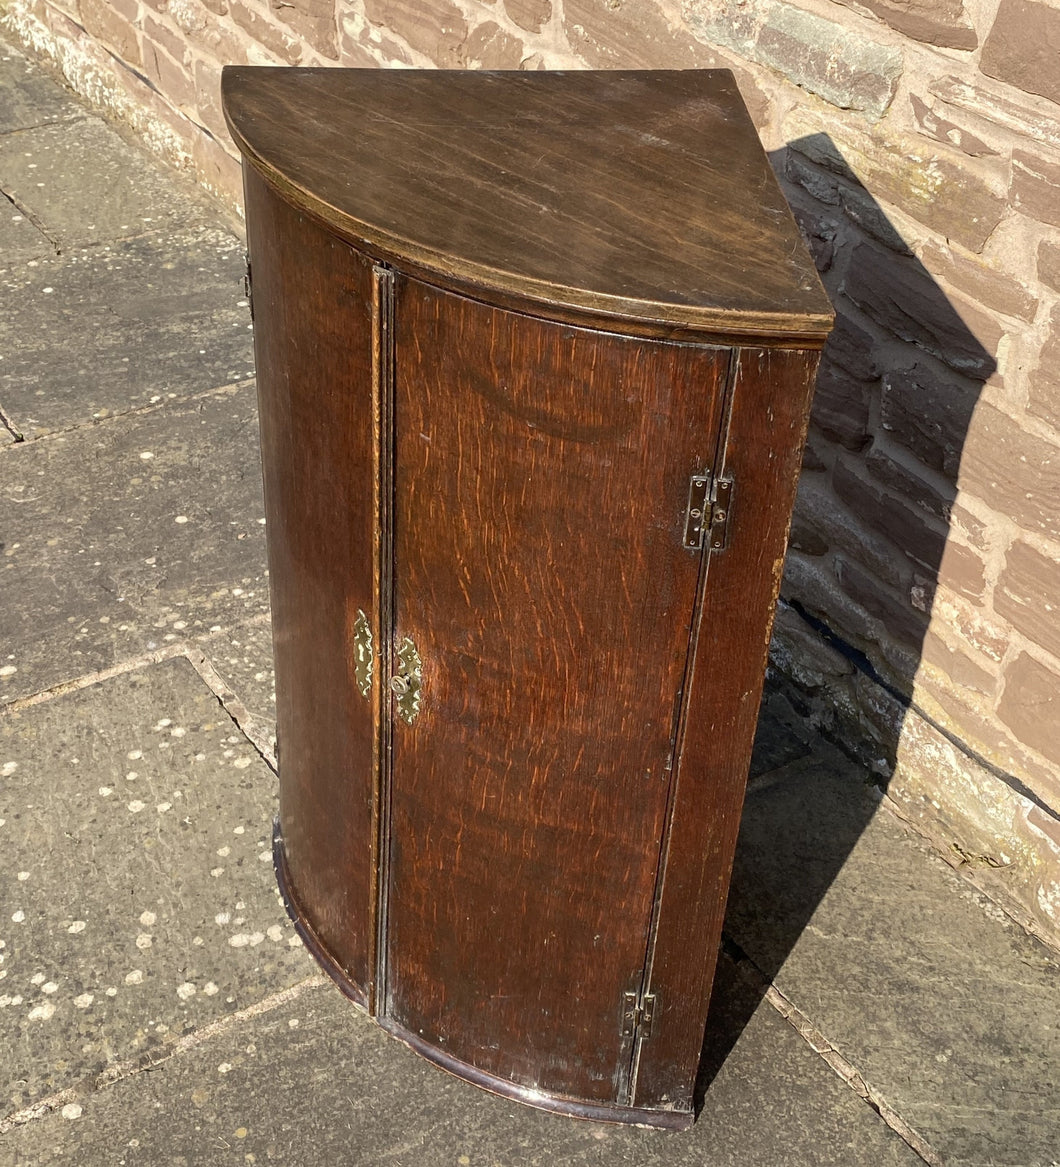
column 535, row 354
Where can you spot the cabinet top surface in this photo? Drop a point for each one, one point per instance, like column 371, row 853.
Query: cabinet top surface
column 643, row 196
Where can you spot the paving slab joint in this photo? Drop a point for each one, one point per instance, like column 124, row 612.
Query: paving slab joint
column 840, row 1066
column 27, row 213
column 254, row 728
column 118, row 1071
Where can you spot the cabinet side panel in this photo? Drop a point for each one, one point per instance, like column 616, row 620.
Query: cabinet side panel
column 313, row 344
column 767, row 428
column 541, row 480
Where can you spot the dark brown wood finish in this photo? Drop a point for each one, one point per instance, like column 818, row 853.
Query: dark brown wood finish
column 478, row 428
column 645, row 196
column 313, row 340
column 766, row 430
column 540, row 571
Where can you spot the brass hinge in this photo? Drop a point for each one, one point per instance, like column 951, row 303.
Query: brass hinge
column 637, row 1013
column 246, row 284
column 709, row 509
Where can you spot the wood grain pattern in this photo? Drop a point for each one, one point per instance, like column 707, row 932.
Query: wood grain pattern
column 766, row 430
column 643, row 197
column 314, row 367
column 507, row 487
column 540, row 570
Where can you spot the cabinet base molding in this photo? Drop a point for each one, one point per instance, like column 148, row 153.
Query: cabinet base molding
column 675, row 1120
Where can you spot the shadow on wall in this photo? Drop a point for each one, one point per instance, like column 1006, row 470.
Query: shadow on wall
column 899, row 380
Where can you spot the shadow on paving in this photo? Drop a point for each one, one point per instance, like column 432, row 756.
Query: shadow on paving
column 945, row 1007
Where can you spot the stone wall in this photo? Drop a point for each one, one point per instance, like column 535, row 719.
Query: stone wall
column 919, row 144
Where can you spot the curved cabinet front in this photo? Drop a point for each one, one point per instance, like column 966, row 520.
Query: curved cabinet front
column 523, row 554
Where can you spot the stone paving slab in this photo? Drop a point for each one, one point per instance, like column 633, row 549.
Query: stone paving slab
column 122, row 538
column 945, row 1006
column 137, row 897
column 315, row 1083
column 102, row 330
column 19, row 238
column 29, row 97
column 242, row 656
column 84, row 185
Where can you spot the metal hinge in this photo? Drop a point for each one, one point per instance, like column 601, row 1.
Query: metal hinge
column 637, row 1012
column 246, row 284
column 709, row 509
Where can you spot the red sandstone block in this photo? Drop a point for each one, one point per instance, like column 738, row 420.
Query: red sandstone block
column 1030, row 704
column 1015, row 472
column 1028, row 595
column 1023, row 47
column 261, row 28
column 113, row 24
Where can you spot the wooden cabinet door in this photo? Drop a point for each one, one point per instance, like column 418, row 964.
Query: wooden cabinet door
column 541, row 477
column 314, row 342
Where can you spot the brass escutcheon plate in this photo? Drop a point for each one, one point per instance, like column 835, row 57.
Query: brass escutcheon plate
column 410, row 672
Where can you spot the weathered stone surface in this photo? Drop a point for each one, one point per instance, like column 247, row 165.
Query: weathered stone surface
column 285, row 47
column 607, row 35
column 801, row 655
column 821, row 523
column 1028, row 595
column 313, row 1082
column 819, row 55
column 986, row 285
column 28, row 97
column 1028, row 121
column 901, row 296
column 955, row 668
column 312, row 21
column 942, row 129
column 841, row 407
column 909, row 483
column 851, row 348
column 170, row 76
column 1043, row 400
column 114, row 23
column 913, row 532
column 19, row 238
column 951, row 194
column 1030, row 705
column 1036, row 187
column 962, row 571
column 174, row 42
column 1049, row 264
column 102, row 330
column 208, row 98
column 140, row 901
column 820, row 184
column 91, row 186
column 818, row 233
column 976, row 626
column 128, row 537
column 531, row 15
column 1023, row 47
column 1049, row 826
column 972, row 529
column 905, row 969
column 938, row 22
column 1017, row 472
column 436, row 28
column 897, row 618
column 218, row 39
column 488, row 46
column 978, row 819
column 242, row 657
column 929, row 414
